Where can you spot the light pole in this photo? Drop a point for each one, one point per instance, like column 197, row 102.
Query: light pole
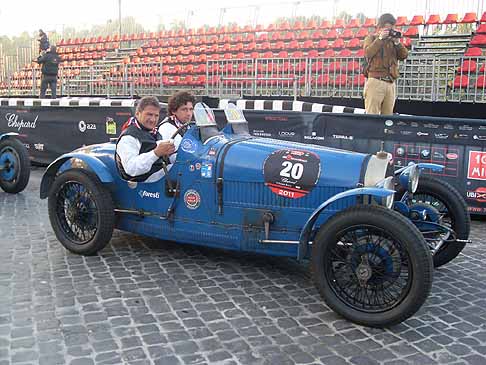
column 119, row 19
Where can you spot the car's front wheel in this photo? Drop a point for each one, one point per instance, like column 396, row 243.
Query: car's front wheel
column 81, row 212
column 372, row 266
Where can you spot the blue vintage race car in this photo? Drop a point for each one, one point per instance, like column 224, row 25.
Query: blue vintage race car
column 14, row 163
column 230, row 190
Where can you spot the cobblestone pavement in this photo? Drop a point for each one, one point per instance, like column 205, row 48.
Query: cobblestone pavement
column 143, row 301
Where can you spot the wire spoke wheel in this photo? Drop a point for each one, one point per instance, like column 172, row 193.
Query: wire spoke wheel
column 371, row 265
column 368, row 269
column 77, row 212
column 81, row 211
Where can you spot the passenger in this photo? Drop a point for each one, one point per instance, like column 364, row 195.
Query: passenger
column 140, row 150
column 180, row 109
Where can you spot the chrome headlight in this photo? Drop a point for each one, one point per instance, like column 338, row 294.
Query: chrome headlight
column 389, row 185
column 409, row 178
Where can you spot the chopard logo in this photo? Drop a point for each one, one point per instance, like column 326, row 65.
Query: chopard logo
column 14, row 122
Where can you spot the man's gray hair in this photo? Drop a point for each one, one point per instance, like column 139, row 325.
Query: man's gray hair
column 146, row 101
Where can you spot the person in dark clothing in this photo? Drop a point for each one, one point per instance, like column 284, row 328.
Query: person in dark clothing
column 50, row 66
column 43, row 41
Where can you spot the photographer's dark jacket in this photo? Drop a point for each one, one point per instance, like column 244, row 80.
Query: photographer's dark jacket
column 50, row 63
column 383, row 57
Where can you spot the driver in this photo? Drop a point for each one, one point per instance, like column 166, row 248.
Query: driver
column 180, row 108
column 141, row 151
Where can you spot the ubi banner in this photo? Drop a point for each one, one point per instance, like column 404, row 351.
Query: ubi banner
column 458, row 144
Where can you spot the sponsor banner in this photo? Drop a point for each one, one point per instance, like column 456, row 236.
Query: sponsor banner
column 48, row 132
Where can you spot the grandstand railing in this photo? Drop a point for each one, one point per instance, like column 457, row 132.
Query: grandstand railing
column 435, row 78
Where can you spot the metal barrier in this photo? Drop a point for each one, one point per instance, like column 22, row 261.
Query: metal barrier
column 434, row 78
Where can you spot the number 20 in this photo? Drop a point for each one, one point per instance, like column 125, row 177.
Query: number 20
column 295, row 171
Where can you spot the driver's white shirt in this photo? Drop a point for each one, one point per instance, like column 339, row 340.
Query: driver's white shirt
column 135, row 163
column 167, row 130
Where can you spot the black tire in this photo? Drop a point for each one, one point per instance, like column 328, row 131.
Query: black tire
column 15, row 158
column 449, row 202
column 79, row 203
column 399, row 250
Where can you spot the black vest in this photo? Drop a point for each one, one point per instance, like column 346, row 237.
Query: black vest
column 148, row 143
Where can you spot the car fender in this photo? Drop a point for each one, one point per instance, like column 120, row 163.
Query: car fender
column 83, row 161
column 309, row 225
column 8, row 135
column 422, row 165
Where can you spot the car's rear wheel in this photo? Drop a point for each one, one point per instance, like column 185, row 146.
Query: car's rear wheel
column 14, row 165
column 81, row 212
column 372, row 266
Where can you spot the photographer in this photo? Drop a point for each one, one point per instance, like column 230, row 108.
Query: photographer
column 382, row 51
column 49, row 60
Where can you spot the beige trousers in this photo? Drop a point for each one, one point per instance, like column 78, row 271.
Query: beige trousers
column 379, row 96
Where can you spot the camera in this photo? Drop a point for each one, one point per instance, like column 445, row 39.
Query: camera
column 395, row 33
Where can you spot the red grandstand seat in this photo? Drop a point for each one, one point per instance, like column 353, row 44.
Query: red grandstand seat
column 411, row 32
column 337, row 44
column 284, row 25
column 297, row 54
column 461, row 81
column 293, row 45
column 313, row 53
column 359, row 80
column 473, row 52
column 468, row 66
column 353, row 66
column 269, row 54
column 287, row 36
column 478, row 40
column 401, row 21
column 332, row 34
column 433, row 19
column 359, row 53
column 329, row 53
column 303, row 35
column 345, row 52
column 481, row 29
column 483, row 18
column 334, row 66
column 323, row 43
column 341, row 80
column 271, row 27
column 311, row 24
column 325, row 24
column 308, row 44
column 283, row 54
column 279, row 45
column 323, row 79
column 298, row 25
column 263, row 37
column 338, row 24
column 317, row 35
column 354, row 43
column 353, row 23
column 347, row 34
column 417, row 20
column 369, row 22
column 264, row 46
column 469, row 18
column 481, row 82
column 483, row 68
column 362, row 33
column 450, row 19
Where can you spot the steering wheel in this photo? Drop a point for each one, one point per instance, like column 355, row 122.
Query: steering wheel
column 178, row 130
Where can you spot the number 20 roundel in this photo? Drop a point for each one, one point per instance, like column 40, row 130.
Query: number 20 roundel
column 291, row 173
